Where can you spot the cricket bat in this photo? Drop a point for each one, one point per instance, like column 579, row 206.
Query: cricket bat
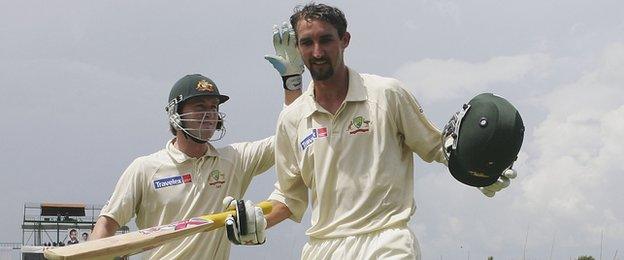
column 142, row 240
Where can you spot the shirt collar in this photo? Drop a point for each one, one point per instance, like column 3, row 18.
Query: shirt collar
column 356, row 92
column 180, row 157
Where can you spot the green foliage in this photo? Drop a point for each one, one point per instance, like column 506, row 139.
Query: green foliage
column 586, row 257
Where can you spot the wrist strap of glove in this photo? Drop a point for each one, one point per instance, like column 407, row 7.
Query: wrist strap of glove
column 292, row 82
column 231, row 230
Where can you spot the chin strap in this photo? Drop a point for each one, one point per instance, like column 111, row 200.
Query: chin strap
column 188, row 136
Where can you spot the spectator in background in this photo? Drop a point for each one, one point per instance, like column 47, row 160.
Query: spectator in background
column 73, row 237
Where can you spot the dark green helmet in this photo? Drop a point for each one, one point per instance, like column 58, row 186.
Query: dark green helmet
column 192, row 86
column 188, row 87
column 483, row 140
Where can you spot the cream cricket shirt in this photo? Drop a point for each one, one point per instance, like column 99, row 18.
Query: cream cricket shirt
column 168, row 186
column 356, row 164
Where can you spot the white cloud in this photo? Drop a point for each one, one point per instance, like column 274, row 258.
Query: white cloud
column 567, row 193
column 577, row 169
column 440, row 80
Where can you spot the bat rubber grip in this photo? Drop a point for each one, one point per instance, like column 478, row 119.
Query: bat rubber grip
column 266, row 206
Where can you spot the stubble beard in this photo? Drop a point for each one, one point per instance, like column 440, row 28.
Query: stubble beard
column 321, row 74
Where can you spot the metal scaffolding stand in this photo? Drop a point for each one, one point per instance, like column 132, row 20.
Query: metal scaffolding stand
column 49, row 222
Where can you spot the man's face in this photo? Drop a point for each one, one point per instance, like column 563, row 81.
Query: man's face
column 200, row 116
column 72, row 234
column 321, row 48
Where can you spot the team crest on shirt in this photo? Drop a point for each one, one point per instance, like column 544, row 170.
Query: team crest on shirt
column 217, row 179
column 358, row 125
column 316, row 133
column 171, row 181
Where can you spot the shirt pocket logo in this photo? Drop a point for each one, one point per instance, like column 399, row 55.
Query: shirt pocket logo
column 358, row 125
column 316, row 133
column 216, row 179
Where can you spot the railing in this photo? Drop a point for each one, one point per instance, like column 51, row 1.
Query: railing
column 11, row 245
column 39, row 228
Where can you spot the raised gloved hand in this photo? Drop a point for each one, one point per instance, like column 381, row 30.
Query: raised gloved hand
column 287, row 60
column 502, row 182
column 247, row 227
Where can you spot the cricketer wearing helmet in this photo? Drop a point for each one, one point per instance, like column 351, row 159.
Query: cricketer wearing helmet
column 190, row 178
column 346, row 147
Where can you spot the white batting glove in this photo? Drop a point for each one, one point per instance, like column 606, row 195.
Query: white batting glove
column 287, row 60
column 248, row 227
column 502, row 182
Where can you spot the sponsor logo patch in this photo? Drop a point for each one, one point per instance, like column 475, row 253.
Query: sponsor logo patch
column 320, row 132
column 170, row 181
column 314, row 134
column 307, row 141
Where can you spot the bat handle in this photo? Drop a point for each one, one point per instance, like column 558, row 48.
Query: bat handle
column 266, row 206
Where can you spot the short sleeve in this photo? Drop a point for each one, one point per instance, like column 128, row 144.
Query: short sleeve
column 123, row 203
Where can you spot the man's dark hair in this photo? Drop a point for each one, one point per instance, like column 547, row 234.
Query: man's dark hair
column 321, row 12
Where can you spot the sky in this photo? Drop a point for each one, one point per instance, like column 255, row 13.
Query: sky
column 84, row 85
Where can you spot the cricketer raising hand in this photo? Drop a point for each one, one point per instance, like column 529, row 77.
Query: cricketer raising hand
column 346, row 147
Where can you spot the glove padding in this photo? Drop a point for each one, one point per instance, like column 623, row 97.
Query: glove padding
column 503, row 182
column 287, row 60
column 247, row 228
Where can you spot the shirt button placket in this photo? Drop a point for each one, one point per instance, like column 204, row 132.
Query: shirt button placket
column 334, row 128
column 200, row 177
